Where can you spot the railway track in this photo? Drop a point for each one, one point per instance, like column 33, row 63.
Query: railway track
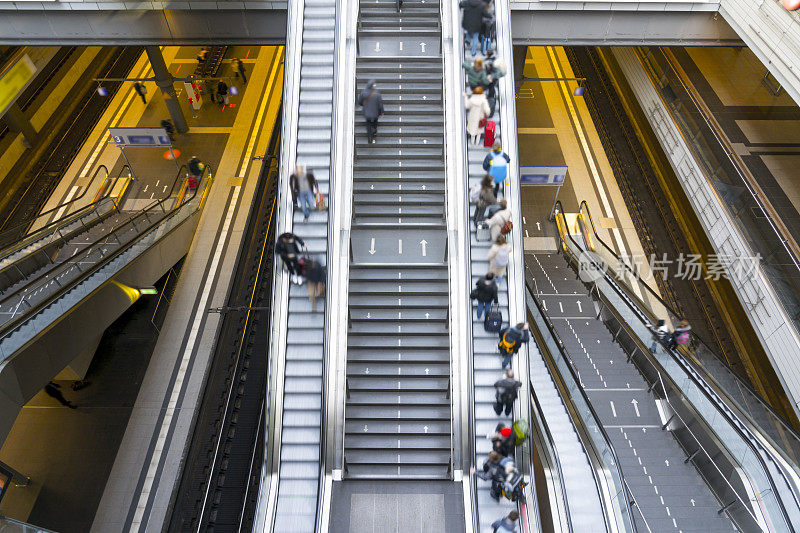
column 219, row 482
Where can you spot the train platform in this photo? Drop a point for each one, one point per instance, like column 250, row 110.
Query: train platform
column 116, row 457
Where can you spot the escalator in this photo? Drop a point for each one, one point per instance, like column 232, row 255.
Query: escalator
column 397, row 413
column 672, row 422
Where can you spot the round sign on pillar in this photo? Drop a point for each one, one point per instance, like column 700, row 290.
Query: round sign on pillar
column 172, row 154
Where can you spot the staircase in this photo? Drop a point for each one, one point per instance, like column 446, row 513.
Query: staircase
column 398, row 360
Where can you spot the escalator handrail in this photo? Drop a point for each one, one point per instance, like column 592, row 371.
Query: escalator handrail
column 37, row 234
column 16, row 322
column 748, row 440
column 574, row 375
column 784, row 424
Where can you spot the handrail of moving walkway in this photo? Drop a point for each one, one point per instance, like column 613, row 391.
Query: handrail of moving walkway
column 663, row 376
column 10, row 326
column 693, row 357
column 583, row 432
column 42, row 232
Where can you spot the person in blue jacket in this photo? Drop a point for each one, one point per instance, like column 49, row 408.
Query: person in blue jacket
column 496, row 164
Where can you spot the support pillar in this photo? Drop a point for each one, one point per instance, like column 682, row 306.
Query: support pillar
column 17, row 122
column 165, row 82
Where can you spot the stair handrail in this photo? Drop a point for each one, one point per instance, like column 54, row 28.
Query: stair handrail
column 614, row 468
column 692, row 356
column 566, row 237
column 39, row 233
column 17, row 321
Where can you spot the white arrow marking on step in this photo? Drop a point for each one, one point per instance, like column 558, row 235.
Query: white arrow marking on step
column 425, row 428
column 399, row 198
column 636, row 408
column 613, row 409
column 371, row 187
column 422, row 45
column 424, row 188
column 427, row 370
column 400, row 246
column 399, row 328
column 368, row 315
column 538, row 227
column 666, row 462
column 372, row 246
column 424, row 244
column 424, row 97
column 561, row 307
column 366, row 429
column 628, row 385
column 401, row 45
column 580, row 309
column 424, row 141
column 378, row 46
column 366, row 371
column 427, row 315
column 692, row 502
column 400, row 152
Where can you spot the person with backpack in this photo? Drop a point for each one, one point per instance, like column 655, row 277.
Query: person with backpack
column 681, row 335
column 507, row 524
column 514, row 483
column 506, row 392
column 503, row 440
column 498, row 257
column 511, row 340
column 477, row 112
column 303, row 185
column 485, row 292
column 240, row 69
column 472, row 21
column 196, row 168
column 494, row 470
column 288, row 248
column 371, row 103
column 169, row 128
column 500, row 222
column 496, row 164
column 482, row 196
column 660, row 334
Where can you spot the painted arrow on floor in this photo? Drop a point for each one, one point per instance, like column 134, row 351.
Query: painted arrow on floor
column 580, row 309
column 636, row 408
column 372, row 246
column 424, row 244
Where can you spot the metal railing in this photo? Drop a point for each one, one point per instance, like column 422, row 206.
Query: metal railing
column 609, row 480
column 722, row 451
column 9, row 525
column 137, row 231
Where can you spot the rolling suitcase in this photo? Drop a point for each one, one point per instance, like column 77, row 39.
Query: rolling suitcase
column 493, row 321
column 483, row 233
column 488, row 133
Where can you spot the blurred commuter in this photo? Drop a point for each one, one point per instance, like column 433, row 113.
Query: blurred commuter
column 660, row 334
column 196, row 168
column 507, row 524
column 303, row 186
column 240, row 68
column 472, row 21
column 169, row 128
column 485, row 293
column 485, row 198
column 511, row 340
column 488, row 29
column 53, row 390
column 371, row 103
column 477, row 76
column 477, row 112
column 222, row 93
column 141, row 90
column 495, row 69
column 496, row 164
column 202, row 55
column 503, row 440
column 316, row 274
column 288, row 248
column 505, row 392
column 498, row 257
column 681, row 335
column 494, row 470
column 500, row 222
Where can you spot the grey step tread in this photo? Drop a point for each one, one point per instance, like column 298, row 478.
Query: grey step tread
column 412, row 455
column 424, row 302
column 419, row 441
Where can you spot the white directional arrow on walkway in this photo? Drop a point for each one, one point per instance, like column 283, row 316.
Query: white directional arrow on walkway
column 427, row 371
column 427, row 315
column 424, row 244
column 422, row 45
column 425, row 428
column 378, row 46
column 666, row 462
column 400, row 246
column 538, row 227
column 613, row 409
column 372, row 246
column 580, row 308
column 636, row 408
